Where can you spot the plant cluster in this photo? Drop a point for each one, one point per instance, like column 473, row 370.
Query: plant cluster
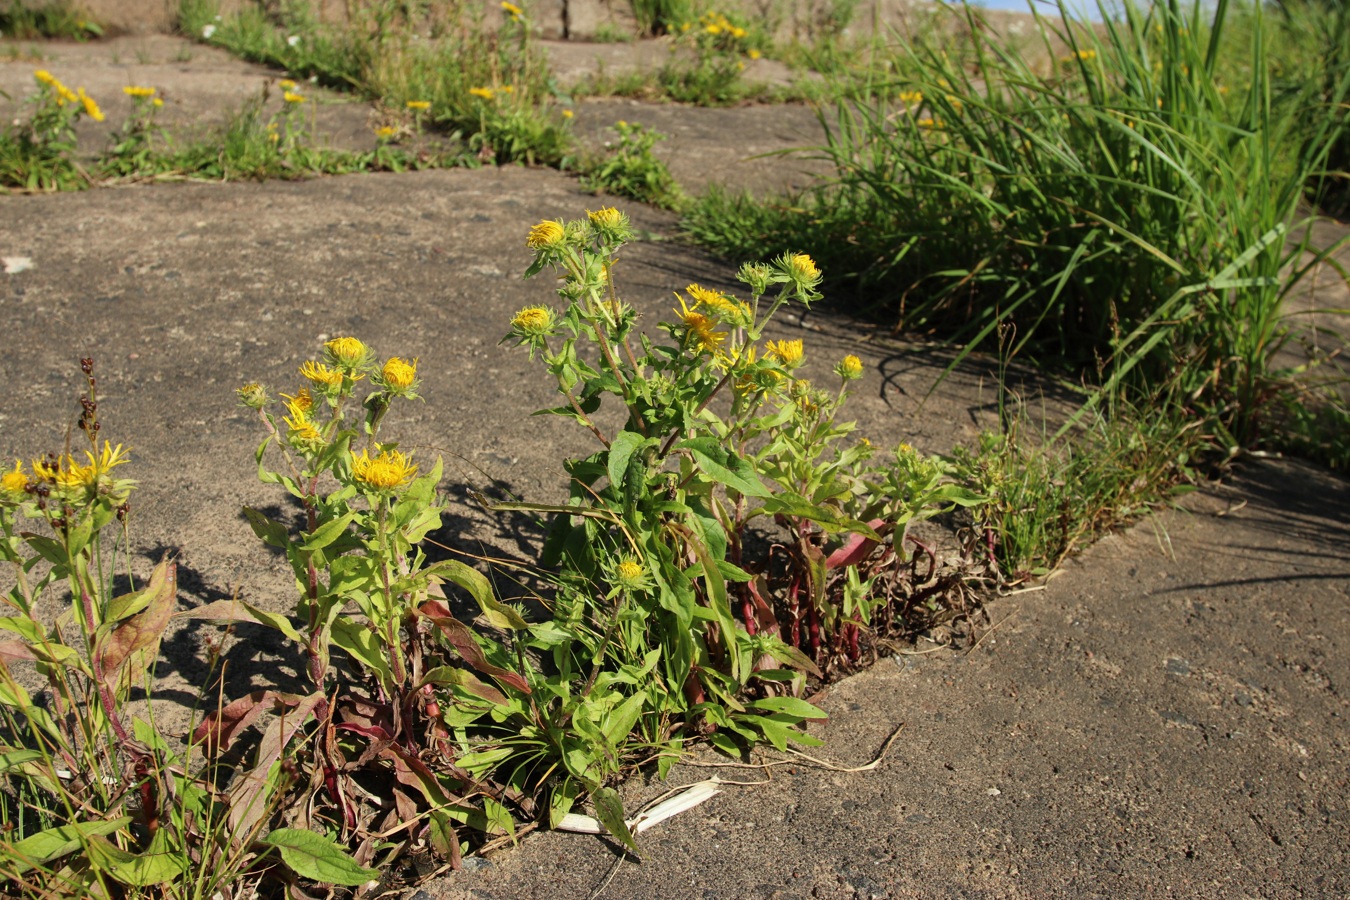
column 630, row 169
column 719, row 48
column 1129, row 215
column 37, row 153
column 53, row 19
column 437, row 716
column 486, row 85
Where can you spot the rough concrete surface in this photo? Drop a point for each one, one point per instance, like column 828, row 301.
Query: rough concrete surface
column 1166, row 717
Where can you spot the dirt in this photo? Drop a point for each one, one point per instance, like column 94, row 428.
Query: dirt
column 1167, row 716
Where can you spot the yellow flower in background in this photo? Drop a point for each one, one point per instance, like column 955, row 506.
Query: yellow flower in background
column 14, row 481
column 545, row 234
column 386, row 132
column 483, row 92
column 64, row 94
column 911, row 98
column 90, row 107
column 138, row 92
column 399, row 374
column 419, row 105
column 1087, row 54
column 929, row 123
column 320, row 375
column 753, row 54
column 45, row 77
column 390, row 470
column 567, row 114
column 292, row 97
column 286, row 84
column 157, row 102
column 507, row 88
column 850, row 368
column 515, row 12
column 789, row 353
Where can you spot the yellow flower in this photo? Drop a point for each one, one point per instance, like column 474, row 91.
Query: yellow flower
column 911, row 98
column 803, row 268
column 789, row 353
column 728, row 309
column 287, row 84
column 507, row 89
column 292, row 97
column 252, row 395
column 753, row 54
column 544, row 235
column 302, row 431
column 1087, row 54
column 567, row 114
column 65, row 473
column 483, row 92
column 157, row 102
column 138, row 92
column 14, row 481
column 385, row 132
column 700, row 327
column 320, row 375
column 850, row 368
column 390, row 470
column 607, row 217
column 347, row 352
column 399, row 374
column 629, row 574
column 419, row 105
column 929, row 123
column 534, row 321
column 512, row 10
column 45, row 77
column 64, row 94
column 737, row 32
column 299, row 404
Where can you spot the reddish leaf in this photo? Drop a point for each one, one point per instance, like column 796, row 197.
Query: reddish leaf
column 219, row 729
column 856, row 549
column 16, row 651
column 249, row 796
column 461, row 638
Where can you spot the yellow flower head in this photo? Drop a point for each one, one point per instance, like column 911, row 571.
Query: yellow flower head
column 67, row 474
column 138, row 92
column 545, row 235
column 14, row 481
column 753, row 54
column 300, row 404
column 1086, row 55
column 609, row 217
column 419, row 105
column 303, row 432
column 386, row 132
column 484, row 93
column 727, row 309
column 701, row 328
column 512, row 10
column 321, row 376
column 157, row 102
column 567, row 114
column 292, row 97
column 911, row 98
column 45, row 77
column 803, row 268
column 850, row 368
column 399, row 374
column 533, row 321
column 347, row 353
column 64, row 94
column 629, row 574
column 930, row 122
column 252, row 395
column 386, row 472
column 789, row 353
column 287, row 84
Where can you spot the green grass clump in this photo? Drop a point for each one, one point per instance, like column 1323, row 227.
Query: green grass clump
column 1125, row 210
column 58, row 19
column 630, row 169
column 490, row 86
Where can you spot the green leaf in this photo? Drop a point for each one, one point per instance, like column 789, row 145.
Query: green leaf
column 364, row 645
column 158, row 864
column 269, row 531
column 496, row 612
column 723, row 466
column 561, row 800
column 318, row 857
column 621, row 448
column 54, row 843
column 789, row 705
column 328, row 532
column 609, row 810
column 619, row 723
